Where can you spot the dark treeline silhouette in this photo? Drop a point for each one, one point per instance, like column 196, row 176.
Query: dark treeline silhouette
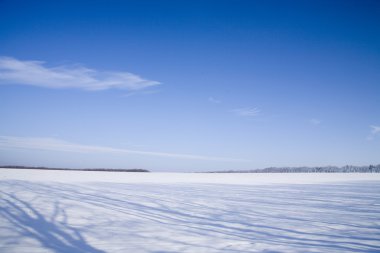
column 90, row 169
column 324, row 169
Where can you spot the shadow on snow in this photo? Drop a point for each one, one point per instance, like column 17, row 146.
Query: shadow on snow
column 328, row 218
column 52, row 234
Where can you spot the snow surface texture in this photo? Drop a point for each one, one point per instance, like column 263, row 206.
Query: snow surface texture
column 69, row 212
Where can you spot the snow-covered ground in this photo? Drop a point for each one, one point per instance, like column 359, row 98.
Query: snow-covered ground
column 65, row 211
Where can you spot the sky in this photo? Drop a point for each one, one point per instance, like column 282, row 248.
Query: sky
column 189, row 85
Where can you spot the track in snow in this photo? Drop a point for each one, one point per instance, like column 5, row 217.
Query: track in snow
column 69, row 217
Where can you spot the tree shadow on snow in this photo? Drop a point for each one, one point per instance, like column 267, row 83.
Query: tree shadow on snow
column 51, row 233
column 330, row 218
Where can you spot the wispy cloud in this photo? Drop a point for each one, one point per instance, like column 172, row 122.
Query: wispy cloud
column 315, row 122
column 247, row 111
column 36, row 73
column 375, row 131
column 214, row 100
column 140, row 92
column 53, row 144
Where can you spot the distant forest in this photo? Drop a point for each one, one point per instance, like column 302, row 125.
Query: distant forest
column 325, row 169
column 47, row 168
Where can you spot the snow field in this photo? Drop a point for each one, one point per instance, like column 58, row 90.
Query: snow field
column 42, row 211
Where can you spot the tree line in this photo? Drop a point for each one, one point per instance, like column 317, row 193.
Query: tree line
column 323, row 169
column 89, row 169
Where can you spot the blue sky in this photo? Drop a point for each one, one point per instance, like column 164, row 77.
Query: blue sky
column 189, row 85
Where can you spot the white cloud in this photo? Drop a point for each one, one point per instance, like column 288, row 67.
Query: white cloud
column 53, row 144
column 315, row 122
column 35, row 73
column 375, row 131
column 247, row 111
column 214, row 100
